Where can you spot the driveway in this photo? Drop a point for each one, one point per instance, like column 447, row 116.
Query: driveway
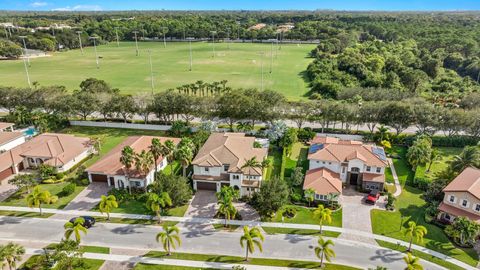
column 89, row 197
column 6, row 190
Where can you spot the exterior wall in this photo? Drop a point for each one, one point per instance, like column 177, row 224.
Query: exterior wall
column 213, row 171
column 331, row 165
column 372, row 186
column 236, row 182
column 356, row 163
column 373, row 169
column 472, row 201
column 12, row 144
column 74, row 161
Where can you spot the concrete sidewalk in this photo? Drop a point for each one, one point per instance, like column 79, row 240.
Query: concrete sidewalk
column 252, row 223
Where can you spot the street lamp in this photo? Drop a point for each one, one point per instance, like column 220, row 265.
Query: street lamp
column 213, row 42
column 95, row 49
column 164, row 30
column 151, row 70
column 25, row 48
column 228, row 38
column 136, row 42
column 116, row 34
column 190, row 47
column 80, row 41
column 271, row 54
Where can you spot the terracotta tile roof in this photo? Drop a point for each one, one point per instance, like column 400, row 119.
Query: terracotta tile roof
column 341, row 151
column 466, row 181
column 110, row 164
column 372, row 177
column 232, row 149
column 457, row 212
column 57, row 148
column 6, row 137
column 323, row 181
column 4, row 125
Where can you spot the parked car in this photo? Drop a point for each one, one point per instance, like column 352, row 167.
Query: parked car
column 372, row 197
column 88, row 221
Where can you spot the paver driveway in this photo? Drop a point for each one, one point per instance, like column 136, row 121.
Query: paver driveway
column 89, row 197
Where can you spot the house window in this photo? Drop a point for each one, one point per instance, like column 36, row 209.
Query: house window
column 343, row 169
column 368, row 168
column 329, row 163
column 137, row 184
column 318, row 161
column 226, row 167
column 236, row 177
column 379, row 169
column 452, row 199
column 464, row 203
column 207, row 169
column 477, row 207
column 323, row 162
column 320, row 197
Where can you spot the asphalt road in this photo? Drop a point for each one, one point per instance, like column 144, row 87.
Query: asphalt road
column 195, row 240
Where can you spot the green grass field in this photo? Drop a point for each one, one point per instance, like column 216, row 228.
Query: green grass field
column 241, row 65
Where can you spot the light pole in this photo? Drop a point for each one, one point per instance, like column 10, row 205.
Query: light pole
column 164, row 30
column 151, row 69
column 190, row 47
column 261, row 63
column 25, row 48
column 116, row 34
column 238, row 34
column 95, row 49
column 213, row 42
column 80, row 41
column 26, row 72
column 136, row 43
column 228, row 38
column 271, row 54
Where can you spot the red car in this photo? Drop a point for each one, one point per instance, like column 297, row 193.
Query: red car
column 372, row 197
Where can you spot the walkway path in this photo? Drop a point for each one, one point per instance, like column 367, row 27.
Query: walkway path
column 398, row 187
column 252, row 223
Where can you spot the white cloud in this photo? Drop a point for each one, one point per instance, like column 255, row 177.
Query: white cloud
column 79, row 8
column 38, row 4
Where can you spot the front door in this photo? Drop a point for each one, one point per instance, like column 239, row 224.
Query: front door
column 353, row 178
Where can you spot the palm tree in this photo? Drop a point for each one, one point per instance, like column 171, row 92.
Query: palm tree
column 383, row 131
column 227, row 192
column 107, row 203
column 252, row 163
column 470, row 156
column 414, row 230
column 184, row 154
column 38, row 197
column 169, row 236
column 12, row 253
column 251, row 238
column 227, row 209
column 324, row 250
column 434, row 156
column 168, row 149
column 127, row 160
column 155, row 203
column 156, row 150
column 144, row 162
column 75, row 228
column 413, row 263
column 323, row 214
column 309, row 196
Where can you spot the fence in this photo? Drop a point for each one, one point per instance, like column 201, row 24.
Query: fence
column 120, row 125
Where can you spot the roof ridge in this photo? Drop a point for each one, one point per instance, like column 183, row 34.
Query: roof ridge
column 326, row 149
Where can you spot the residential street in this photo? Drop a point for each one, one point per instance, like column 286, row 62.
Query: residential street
column 203, row 241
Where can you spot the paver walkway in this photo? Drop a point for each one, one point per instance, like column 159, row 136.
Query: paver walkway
column 6, row 190
column 398, row 187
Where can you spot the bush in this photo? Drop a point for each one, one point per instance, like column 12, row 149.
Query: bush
column 296, row 197
column 306, row 134
column 46, row 171
column 176, row 186
column 420, row 183
column 120, row 194
column 289, row 212
column 84, row 182
column 60, row 176
column 68, row 189
column 390, row 202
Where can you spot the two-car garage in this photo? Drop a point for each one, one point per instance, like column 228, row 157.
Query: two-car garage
column 6, row 173
column 206, row 186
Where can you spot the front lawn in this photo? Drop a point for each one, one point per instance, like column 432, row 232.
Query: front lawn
column 275, row 230
column 275, row 157
column 305, row 216
column 402, row 168
column 138, row 207
column 89, row 264
column 446, row 155
column 18, row 198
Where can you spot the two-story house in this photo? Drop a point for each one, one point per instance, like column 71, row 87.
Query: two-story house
column 221, row 162
column 462, row 197
column 334, row 163
column 110, row 170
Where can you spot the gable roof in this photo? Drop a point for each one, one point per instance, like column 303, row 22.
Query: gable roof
column 467, row 181
column 58, row 149
column 323, row 181
column 232, row 149
column 333, row 149
column 4, row 125
column 6, row 137
column 110, row 164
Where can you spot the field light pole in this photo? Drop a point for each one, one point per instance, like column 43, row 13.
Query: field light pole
column 80, row 41
column 190, row 47
column 271, row 54
column 213, row 42
column 136, row 43
column 95, row 49
column 116, row 34
column 261, row 63
column 26, row 72
column 151, row 70
column 164, row 30
column 25, row 48
column 228, row 39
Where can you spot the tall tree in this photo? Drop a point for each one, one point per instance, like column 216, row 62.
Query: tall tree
column 227, row 209
column 415, row 231
column 12, row 253
column 157, row 202
column 251, row 238
column 107, row 203
column 184, row 154
column 170, row 237
column 324, row 215
column 39, row 197
column 127, row 159
column 75, row 228
column 470, row 157
column 324, row 250
column 413, row 263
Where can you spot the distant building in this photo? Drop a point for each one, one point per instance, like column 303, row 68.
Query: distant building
column 257, row 26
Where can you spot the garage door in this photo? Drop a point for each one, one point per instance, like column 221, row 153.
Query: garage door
column 206, row 186
column 20, row 166
column 6, row 173
column 98, row 178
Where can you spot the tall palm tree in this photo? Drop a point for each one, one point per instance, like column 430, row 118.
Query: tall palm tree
column 184, row 154
column 168, row 150
column 252, row 163
column 75, row 228
column 227, row 209
column 251, row 238
column 383, row 131
column 127, row 159
column 168, row 237
column 324, row 250
column 107, row 203
column 413, row 263
column 227, row 192
column 309, row 195
column 470, row 156
column 38, row 197
column 156, row 150
column 415, row 231
column 12, row 253
column 144, row 162
column 157, row 202
column 323, row 214
column 434, row 156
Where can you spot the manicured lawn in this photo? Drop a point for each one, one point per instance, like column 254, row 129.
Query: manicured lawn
column 389, row 176
column 25, row 214
column 142, row 266
column 305, row 216
column 138, row 207
column 274, row 230
column 446, row 154
column 18, row 198
column 89, row 264
column 134, row 221
column 229, row 228
column 401, row 166
column 95, row 249
column 298, row 158
column 241, row 260
column 241, row 65
column 275, row 157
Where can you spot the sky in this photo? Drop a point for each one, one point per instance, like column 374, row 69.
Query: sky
column 379, row 5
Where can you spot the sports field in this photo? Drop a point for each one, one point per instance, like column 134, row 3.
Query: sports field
column 239, row 63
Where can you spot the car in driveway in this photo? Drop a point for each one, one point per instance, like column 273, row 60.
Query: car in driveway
column 88, row 221
column 372, row 197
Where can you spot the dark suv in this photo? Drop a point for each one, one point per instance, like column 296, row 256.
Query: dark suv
column 88, row 221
